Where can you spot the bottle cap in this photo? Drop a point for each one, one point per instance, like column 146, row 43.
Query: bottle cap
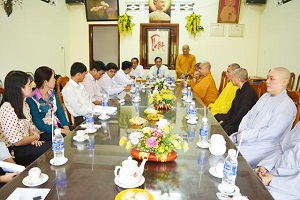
column 204, row 119
column 232, row 152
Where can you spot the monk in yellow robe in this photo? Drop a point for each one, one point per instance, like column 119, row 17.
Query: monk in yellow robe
column 185, row 63
column 203, row 84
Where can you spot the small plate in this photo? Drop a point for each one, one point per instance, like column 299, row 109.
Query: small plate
column 235, row 191
column 158, row 116
column 141, row 182
column 80, row 140
column 189, row 118
column 188, row 100
column 135, row 190
column 203, row 145
column 192, row 121
column 95, row 126
column 44, row 178
column 105, row 118
column 136, row 101
column 183, row 92
column 90, row 130
column 63, row 161
column 150, row 111
column 214, row 173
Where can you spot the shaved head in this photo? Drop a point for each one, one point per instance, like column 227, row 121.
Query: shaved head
column 282, row 73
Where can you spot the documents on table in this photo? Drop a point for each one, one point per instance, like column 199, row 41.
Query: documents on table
column 29, row 194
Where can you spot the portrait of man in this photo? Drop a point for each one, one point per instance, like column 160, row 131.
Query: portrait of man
column 229, row 11
column 159, row 10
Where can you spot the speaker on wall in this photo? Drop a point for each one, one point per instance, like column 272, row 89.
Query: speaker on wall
column 256, row 1
column 74, row 1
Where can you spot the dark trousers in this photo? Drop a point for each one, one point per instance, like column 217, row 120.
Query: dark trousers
column 24, row 155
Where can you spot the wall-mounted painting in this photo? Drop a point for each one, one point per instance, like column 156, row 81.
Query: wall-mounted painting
column 159, row 11
column 107, row 10
column 229, row 11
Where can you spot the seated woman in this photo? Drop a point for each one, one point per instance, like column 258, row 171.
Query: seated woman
column 44, row 100
column 16, row 128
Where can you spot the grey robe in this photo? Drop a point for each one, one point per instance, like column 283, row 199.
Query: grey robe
column 264, row 126
column 284, row 165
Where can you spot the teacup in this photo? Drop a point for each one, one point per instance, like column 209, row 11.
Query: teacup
column 80, row 134
column 219, row 168
column 34, row 175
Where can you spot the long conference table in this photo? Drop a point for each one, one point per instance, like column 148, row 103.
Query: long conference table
column 89, row 172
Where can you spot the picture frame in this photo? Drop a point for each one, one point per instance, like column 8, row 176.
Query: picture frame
column 107, row 10
column 159, row 11
column 236, row 30
column 229, row 11
column 158, row 45
column 217, row 30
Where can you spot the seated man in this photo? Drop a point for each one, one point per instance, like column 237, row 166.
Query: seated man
column 265, row 124
column 185, row 63
column 122, row 77
column 108, row 83
column 158, row 70
column 224, row 101
column 137, row 70
column 76, row 98
column 203, row 84
column 244, row 100
column 90, row 82
column 280, row 171
column 5, row 156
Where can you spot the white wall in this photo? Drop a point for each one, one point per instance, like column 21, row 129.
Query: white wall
column 280, row 36
column 35, row 34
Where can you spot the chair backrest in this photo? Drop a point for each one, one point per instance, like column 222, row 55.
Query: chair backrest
column 1, row 93
column 262, row 88
column 295, row 96
column 292, row 81
column 223, row 82
column 60, row 83
column 298, row 84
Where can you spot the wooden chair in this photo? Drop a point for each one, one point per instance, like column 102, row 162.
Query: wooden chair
column 60, row 83
column 295, row 96
column 1, row 93
column 223, row 82
column 292, row 81
column 262, row 88
column 298, row 84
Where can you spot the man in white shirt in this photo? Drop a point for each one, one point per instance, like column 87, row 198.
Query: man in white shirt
column 158, row 70
column 91, row 79
column 137, row 70
column 76, row 98
column 109, row 85
column 122, row 77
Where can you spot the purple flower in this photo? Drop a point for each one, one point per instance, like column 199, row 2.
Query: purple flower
column 151, row 142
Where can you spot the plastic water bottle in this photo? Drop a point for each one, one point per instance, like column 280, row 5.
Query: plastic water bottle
column 105, row 102
column 204, row 130
column 229, row 171
column 189, row 94
column 89, row 118
column 185, row 86
column 58, row 145
column 132, row 85
column 137, row 92
column 192, row 111
column 147, row 79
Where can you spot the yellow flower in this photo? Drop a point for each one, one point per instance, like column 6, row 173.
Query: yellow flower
column 122, row 141
column 159, row 98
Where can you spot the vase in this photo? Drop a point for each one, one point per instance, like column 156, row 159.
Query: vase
column 139, row 155
column 162, row 107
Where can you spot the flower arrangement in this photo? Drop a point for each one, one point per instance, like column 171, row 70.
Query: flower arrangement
column 8, row 5
column 161, row 96
column 124, row 24
column 193, row 25
column 158, row 140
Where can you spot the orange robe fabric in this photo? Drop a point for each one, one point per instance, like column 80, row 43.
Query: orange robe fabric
column 205, row 89
column 185, row 63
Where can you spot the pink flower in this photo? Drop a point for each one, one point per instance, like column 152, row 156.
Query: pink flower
column 151, row 142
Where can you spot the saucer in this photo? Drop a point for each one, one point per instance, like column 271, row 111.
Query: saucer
column 104, row 118
column 203, row 145
column 214, row 173
column 64, row 160
column 141, row 182
column 189, row 118
column 184, row 92
column 136, row 100
column 191, row 121
column 235, row 191
column 95, row 126
column 188, row 100
column 80, row 140
column 44, row 178
column 90, row 130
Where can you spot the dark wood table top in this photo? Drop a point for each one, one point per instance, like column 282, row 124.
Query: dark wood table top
column 89, row 172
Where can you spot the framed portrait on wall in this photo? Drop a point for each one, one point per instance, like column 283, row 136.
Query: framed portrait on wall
column 159, row 11
column 229, row 11
column 107, row 10
column 158, row 45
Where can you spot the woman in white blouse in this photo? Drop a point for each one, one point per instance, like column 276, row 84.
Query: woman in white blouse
column 16, row 128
